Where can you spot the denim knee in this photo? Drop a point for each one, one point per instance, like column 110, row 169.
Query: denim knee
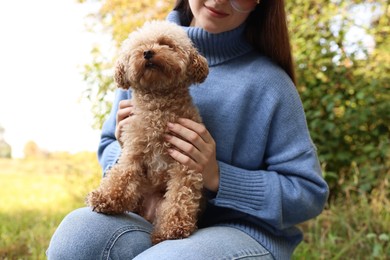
column 209, row 243
column 84, row 234
column 127, row 243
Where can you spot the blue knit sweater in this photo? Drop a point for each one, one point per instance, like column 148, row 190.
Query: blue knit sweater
column 270, row 177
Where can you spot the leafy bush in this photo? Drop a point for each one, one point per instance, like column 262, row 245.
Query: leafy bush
column 344, row 86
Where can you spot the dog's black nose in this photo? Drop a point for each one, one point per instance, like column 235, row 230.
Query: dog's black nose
column 148, row 54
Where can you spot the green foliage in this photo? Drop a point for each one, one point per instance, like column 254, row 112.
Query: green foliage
column 123, row 16
column 345, row 91
column 99, row 77
column 36, row 195
column 5, row 148
column 118, row 18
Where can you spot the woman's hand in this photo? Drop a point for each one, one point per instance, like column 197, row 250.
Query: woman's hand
column 196, row 149
column 125, row 110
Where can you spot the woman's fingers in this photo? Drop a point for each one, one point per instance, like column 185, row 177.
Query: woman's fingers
column 198, row 128
column 125, row 110
column 195, row 148
column 124, row 113
column 193, row 142
column 185, row 160
column 119, row 128
column 194, row 133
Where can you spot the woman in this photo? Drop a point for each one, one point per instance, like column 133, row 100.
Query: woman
column 259, row 165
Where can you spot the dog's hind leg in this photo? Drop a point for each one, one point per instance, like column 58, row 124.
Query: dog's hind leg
column 177, row 215
column 119, row 190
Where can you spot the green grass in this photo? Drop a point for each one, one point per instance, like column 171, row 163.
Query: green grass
column 35, row 195
column 347, row 230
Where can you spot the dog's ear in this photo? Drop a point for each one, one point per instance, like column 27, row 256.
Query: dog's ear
column 199, row 68
column 120, row 74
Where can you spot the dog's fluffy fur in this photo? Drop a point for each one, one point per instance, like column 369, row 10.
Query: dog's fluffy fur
column 159, row 63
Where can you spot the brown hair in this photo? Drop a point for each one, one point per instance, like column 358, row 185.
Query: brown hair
column 266, row 30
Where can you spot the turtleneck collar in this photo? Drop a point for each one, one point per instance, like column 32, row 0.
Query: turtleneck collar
column 217, row 48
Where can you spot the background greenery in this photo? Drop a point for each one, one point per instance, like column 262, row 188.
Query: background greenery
column 344, row 86
column 35, row 194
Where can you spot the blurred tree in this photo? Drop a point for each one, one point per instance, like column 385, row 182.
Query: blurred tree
column 32, row 151
column 343, row 79
column 5, row 148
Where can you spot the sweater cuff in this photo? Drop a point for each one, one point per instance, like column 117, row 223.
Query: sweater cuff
column 240, row 188
column 113, row 151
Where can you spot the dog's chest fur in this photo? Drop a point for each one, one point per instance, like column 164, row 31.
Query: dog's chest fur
column 152, row 123
column 151, row 120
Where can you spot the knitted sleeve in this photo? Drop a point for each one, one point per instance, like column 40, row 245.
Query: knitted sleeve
column 109, row 149
column 289, row 187
column 287, row 193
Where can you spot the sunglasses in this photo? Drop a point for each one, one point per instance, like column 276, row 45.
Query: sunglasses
column 244, row 6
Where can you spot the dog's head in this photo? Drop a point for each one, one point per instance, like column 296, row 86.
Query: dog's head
column 158, row 57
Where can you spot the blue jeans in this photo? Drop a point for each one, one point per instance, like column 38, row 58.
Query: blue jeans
column 84, row 234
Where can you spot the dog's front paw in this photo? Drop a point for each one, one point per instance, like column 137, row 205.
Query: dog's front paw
column 101, row 204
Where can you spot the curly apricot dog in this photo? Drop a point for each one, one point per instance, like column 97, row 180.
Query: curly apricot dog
column 159, row 63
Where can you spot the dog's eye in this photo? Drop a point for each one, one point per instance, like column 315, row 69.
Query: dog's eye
column 164, row 42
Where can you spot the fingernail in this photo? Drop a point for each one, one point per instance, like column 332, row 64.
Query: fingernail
column 170, row 125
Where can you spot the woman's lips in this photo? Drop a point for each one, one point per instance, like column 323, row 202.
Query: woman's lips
column 216, row 13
